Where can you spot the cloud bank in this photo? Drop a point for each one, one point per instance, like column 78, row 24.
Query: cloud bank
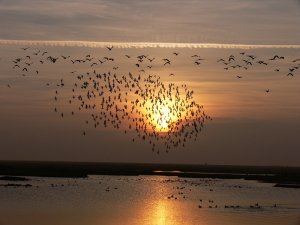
column 171, row 21
column 91, row 44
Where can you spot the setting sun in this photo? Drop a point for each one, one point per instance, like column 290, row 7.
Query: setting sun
column 162, row 115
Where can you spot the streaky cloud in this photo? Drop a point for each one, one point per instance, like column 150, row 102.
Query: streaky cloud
column 90, row 44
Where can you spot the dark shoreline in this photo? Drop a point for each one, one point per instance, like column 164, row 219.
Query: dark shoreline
column 281, row 176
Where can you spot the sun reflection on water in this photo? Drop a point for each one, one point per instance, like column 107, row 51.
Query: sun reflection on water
column 160, row 210
column 162, row 214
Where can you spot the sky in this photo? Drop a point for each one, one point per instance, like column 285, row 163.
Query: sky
column 249, row 126
column 216, row 21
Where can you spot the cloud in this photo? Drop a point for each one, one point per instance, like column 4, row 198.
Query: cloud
column 215, row 21
column 91, row 44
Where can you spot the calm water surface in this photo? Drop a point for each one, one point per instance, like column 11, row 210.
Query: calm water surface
column 148, row 200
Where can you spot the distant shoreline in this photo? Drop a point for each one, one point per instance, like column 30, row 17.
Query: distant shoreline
column 288, row 177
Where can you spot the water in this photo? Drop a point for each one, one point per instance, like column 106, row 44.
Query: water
column 147, row 200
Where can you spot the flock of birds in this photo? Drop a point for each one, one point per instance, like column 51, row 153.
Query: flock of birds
column 247, row 61
column 183, row 188
column 179, row 189
column 161, row 113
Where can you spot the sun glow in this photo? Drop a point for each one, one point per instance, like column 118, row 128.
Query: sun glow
column 165, row 117
column 162, row 115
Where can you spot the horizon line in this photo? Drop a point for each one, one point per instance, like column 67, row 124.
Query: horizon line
column 146, row 163
column 95, row 44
